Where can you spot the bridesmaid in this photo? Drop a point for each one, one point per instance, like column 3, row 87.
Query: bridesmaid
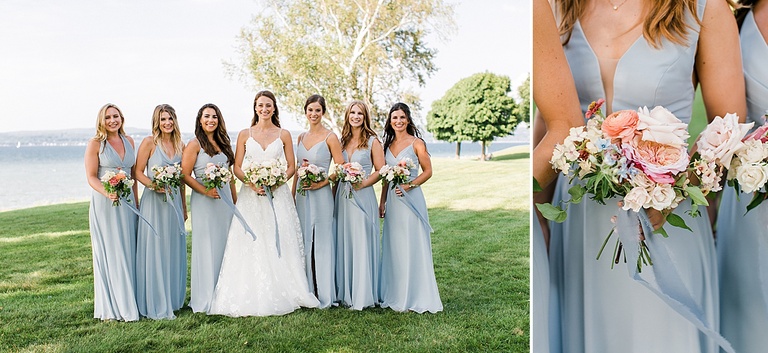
column 742, row 246
column 407, row 277
column 357, row 224
column 161, row 259
column 211, row 216
column 557, row 102
column 113, row 228
column 315, row 209
column 656, row 53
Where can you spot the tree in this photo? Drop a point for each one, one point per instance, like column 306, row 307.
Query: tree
column 523, row 111
column 477, row 108
column 343, row 50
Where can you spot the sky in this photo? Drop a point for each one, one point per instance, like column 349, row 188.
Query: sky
column 60, row 61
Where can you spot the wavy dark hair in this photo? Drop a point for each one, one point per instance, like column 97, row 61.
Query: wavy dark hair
column 389, row 132
column 743, row 7
column 275, row 114
column 219, row 135
column 315, row 98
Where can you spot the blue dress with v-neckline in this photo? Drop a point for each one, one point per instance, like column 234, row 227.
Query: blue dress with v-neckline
column 113, row 241
column 598, row 309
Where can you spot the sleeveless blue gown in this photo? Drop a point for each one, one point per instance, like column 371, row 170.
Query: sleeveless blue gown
column 211, row 219
column 161, row 260
column 357, row 236
column 113, row 241
column 407, row 273
column 604, row 310
column 539, row 290
column 743, row 312
column 315, row 211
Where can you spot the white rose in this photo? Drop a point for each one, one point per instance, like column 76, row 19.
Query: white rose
column 723, row 137
column 751, row 152
column 642, row 181
column 660, row 125
column 752, row 176
column 662, row 197
column 635, row 199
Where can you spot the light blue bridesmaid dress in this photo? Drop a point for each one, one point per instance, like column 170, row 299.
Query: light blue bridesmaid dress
column 357, row 238
column 407, row 273
column 539, row 290
column 161, row 260
column 211, row 219
column 315, row 211
column 113, row 241
column 741, row 239
column 604, row 310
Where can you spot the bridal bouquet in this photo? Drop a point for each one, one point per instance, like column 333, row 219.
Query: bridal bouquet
column 167, row 178
column 117, row 183
column 397, row 174
column 351, row 172
column 640, row 156
column 309, row 173
column 268, row 173
column 215, row 176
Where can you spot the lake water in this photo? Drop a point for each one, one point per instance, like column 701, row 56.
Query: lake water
column 43, row 175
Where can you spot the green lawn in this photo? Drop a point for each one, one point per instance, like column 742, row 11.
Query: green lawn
column 479, row 211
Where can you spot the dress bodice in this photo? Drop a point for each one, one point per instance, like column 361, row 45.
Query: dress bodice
column 109, row 160
column 159, row 158
column 362, row 156
column 255, row 152
column 754, row 52
column 319, row 154
column 203, row 159
column 644, row 76
column 407, row 152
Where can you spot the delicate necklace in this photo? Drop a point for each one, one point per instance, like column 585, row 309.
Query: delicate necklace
column 616, row 7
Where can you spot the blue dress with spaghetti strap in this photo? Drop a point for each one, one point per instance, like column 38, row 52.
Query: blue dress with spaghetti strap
column 602, row 309
column 742, row 246
column 357, row 238
column 161, row 260
column 113, row 241
column 316, row 215
column 407, row 273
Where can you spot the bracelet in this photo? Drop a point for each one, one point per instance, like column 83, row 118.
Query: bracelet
column 413, row 185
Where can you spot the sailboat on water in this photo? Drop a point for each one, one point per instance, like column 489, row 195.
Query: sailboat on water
column 18, row 144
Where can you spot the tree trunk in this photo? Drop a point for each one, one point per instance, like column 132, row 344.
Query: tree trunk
column 482, row 150
column 458, row 149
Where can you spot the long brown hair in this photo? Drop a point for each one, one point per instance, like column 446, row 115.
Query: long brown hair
column 665, row 19
column 101, row 127
column 219, row 135
column 275, row 114
column 157, row 133
column 389, row 132
column 365, row 131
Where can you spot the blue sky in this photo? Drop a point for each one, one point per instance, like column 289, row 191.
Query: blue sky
column 61, row 61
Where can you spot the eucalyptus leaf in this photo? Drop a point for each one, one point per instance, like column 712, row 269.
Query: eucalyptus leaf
column 552, row 213
column 677, row 221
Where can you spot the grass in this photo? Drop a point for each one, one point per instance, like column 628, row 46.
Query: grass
column 479, row 211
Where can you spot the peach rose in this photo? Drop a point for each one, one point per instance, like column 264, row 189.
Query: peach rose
column 660, row 161
column 621, row 124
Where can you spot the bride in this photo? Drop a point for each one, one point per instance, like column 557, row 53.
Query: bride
column 255, row 280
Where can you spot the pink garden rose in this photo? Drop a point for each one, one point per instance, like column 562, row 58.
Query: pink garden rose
column 760, row 134
column 660, row 125
column 722, row 138
column 660, row 161
column 621, row 124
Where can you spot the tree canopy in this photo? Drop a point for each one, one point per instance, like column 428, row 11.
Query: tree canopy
column 343, row 50
column 477, row 108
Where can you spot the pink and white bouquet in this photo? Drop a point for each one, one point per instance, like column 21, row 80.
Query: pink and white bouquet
column 216, row 176
column 397, row 174
column 351, row 172
column 117, row 183
column 309, row 173
column 640, row 156
column 168, row 178
column 268, row 173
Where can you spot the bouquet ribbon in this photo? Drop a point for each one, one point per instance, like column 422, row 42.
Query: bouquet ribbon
column 270, row 196
column 179, row 216
column 359, row 205
column 408, row 201
column 666, row 283
column 227, row 198
column 135, row 210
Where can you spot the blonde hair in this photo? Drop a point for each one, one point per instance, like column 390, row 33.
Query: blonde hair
column 157, row 133
column 101, row 126
column 665, row 20
column 366, row 133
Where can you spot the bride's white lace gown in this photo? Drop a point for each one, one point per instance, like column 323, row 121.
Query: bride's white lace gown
column 253, row 280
